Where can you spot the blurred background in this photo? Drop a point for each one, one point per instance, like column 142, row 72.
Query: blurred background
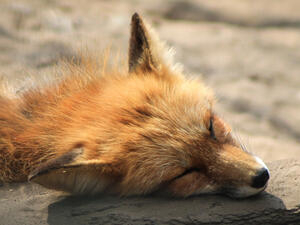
column 247, row 51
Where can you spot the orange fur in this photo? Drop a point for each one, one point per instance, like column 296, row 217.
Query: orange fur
column 136, row 132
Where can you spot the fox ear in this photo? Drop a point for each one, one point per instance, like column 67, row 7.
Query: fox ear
column 71, row 173
column 146, row 51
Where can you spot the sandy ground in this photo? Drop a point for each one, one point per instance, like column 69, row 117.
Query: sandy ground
column 248, row 53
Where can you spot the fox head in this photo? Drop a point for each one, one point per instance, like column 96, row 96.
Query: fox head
column 163, row 135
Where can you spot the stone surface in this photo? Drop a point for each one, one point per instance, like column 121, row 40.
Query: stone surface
column 279, row 204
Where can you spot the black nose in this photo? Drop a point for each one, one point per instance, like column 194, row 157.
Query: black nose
column 261, row 178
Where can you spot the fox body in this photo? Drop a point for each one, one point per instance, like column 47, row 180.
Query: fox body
column 145, row 130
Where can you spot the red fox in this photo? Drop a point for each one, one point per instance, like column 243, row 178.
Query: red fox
column 148, row 129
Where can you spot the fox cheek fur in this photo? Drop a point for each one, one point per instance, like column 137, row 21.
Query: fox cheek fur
column 145, row 130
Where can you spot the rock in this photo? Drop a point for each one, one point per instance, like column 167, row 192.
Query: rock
column 280, row 204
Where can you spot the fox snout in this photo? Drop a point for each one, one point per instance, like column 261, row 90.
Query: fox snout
column 257, row 182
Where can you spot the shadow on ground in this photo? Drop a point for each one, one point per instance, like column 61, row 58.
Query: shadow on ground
column 265, row 209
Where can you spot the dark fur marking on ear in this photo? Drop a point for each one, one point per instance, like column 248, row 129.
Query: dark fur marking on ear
column 56, row 163
column 139, row 47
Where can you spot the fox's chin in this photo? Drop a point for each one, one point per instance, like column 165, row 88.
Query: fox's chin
column 243, row 192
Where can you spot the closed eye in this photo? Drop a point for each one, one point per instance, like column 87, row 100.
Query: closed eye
column 211, row 128
column 188, row 171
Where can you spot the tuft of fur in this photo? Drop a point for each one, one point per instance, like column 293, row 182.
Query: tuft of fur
column 134, row 131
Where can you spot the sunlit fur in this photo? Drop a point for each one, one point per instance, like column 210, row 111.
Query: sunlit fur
column 123, row 132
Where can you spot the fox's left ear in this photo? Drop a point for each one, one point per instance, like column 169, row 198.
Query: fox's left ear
column 146, row 52
column 70, row 172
